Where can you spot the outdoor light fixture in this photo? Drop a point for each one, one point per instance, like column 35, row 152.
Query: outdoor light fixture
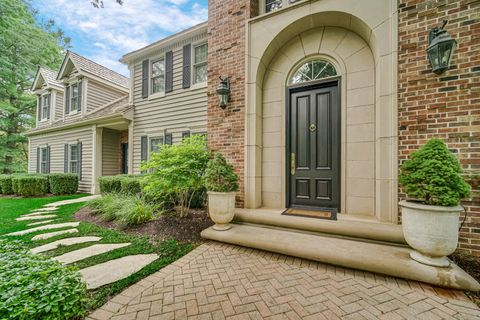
column 440, row 48
column 223, row 91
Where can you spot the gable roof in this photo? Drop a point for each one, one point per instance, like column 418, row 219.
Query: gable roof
column 49, row 77
column 90, row 67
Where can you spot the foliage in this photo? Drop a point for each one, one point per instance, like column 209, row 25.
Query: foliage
column 25, row 43
column 131, row 185
column 433, row 175
column 110, row 184
column 35, row 287
column 177, row 169
column 30, row 185
column 63, row 183
column 6, row 184
column 198, row 199
column 220, row 175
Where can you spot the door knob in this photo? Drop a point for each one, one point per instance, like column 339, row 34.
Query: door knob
column 292, row 164
column 313, row 127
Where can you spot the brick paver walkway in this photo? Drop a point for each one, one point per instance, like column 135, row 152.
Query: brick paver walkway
column 218, row 281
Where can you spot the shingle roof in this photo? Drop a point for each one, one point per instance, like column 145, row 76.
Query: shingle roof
column 99, row 70
column 50, row 76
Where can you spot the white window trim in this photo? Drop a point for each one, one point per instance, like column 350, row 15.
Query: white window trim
column 196, row 85
column 149, row 147
column 70, row 145
column 159, row 94
column 42, row 119
column 70, row 112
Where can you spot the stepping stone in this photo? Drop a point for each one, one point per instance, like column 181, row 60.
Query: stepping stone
column 114, row 270
column 47, row 216
column 46, row 227
column 40, row 222
column 33, row 214
column 44, row 236
column 96, row 249
column 47, row 209
column 64, row 242
column 77, row 200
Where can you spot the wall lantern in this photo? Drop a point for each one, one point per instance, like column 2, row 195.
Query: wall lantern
column 223, row 91
column 440, row 48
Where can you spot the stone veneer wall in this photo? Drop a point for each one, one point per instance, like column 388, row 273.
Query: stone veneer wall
column 226, row 57
column 446, row 106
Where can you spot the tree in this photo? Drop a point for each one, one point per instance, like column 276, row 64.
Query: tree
column 24, row 44
column 99, row 3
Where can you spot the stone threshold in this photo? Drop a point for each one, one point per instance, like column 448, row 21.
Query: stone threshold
column 392, row 260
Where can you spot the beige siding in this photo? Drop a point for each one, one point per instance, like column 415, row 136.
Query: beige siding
column 59, row 107
column 56, row 141
column 99, row 94
column 176, row 112
column 110, row 152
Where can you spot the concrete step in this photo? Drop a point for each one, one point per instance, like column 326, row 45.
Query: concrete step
column 392, row 260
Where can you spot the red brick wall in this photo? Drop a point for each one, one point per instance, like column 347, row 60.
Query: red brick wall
column 445, row 106
column 226, row 57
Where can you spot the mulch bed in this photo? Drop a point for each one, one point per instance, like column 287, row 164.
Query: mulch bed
column 163, row 228
column 471, row 264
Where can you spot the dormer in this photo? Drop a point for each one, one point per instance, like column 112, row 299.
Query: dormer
column 49, row 94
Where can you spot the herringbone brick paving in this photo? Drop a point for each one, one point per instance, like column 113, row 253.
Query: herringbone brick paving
column 220, row 281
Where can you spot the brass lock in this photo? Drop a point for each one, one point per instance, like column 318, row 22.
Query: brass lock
column 292, row 164
column 313, row 127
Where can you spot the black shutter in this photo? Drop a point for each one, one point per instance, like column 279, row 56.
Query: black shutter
column 49, row 105
column 38, row 160
column 187, row 57
column 143, row 148
column 169, row 71
column 79, row 96
column 39, row 115
column 145, row 65
column 65, row 158
column 48, row 160
column 185, row 134
column 168, row 138
column 79, row 163
column 67, row 99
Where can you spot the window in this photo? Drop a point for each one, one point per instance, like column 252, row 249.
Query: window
column 45, row 106
column 74, row 97
column 272, row 5
column 313, row 70
column 200, row 63
column 158, row 76
column 43, row 160
column 73, row 158
column 155, row 144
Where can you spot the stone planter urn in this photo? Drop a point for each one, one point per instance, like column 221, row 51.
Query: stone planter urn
column 221, row 208
column 431, row 230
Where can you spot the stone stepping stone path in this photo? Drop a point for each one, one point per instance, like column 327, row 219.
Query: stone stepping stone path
column 64, row 242
column 34, row 214
column 47, row 209
column 46, row 227
column 96, row 249
column 45, row 236
column 77, row 200
column 114, row 270
column 41, row 222
column 47, row 216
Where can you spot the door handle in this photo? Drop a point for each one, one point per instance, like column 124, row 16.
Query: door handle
column 292, row 164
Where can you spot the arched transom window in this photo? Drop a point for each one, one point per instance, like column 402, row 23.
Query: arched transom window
column 313, row 70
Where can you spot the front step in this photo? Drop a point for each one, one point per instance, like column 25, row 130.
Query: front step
column 392, row 260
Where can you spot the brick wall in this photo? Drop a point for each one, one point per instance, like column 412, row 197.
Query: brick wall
column 226, row 57
column 445, row 106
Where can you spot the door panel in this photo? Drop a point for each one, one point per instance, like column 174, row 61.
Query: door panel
column 314, row 137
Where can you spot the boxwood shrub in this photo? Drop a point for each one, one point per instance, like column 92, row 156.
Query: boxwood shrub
column 6, row 184
column 36, row 287
column 131, row 185
column 110, row 184
column 63, row 183
column 30, row 185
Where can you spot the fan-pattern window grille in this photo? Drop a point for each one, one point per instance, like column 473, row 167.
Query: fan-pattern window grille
column 313, row 70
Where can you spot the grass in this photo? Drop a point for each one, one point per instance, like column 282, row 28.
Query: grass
column 168, row 251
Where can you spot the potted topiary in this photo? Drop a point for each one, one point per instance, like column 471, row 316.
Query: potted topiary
column 432, row 180
column 221, row 183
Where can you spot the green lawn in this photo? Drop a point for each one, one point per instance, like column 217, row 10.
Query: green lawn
column 168, row 251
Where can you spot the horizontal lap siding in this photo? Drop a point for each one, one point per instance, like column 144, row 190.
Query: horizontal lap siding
column 110, row 152
column 176, row 112
column 56, row 141
column 99, row 95
column 59, row 107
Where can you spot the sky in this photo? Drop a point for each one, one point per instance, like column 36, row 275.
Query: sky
column 104, row 35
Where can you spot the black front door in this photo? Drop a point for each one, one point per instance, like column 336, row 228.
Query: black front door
column 124, row 158
column 314, row 147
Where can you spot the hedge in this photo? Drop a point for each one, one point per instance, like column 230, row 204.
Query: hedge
column 63, row 183
column 6, row 184
column 110, row 184
column 30, row 185
column 130, row 185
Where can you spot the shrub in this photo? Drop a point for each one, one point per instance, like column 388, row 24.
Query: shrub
column 220, row 176
column 63, row 183
column 433, row 175
column 6, row 184
column 36, row 287
column 30, row 185
column 198, row 199
column 131, row 185
column 110, row 184
column 177, row 169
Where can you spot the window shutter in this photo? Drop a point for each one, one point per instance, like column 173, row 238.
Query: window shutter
column 38, row 160
column 145, row 65
column 79, row 163
column 79, row 103
column 187, row 57
column 169, row 71
column 65, row 158
column 39, row 115
column 49, row 105
column 143, row 148
column 67, row 99
column 185, row 134
column 48, row 159
column 168, row 138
